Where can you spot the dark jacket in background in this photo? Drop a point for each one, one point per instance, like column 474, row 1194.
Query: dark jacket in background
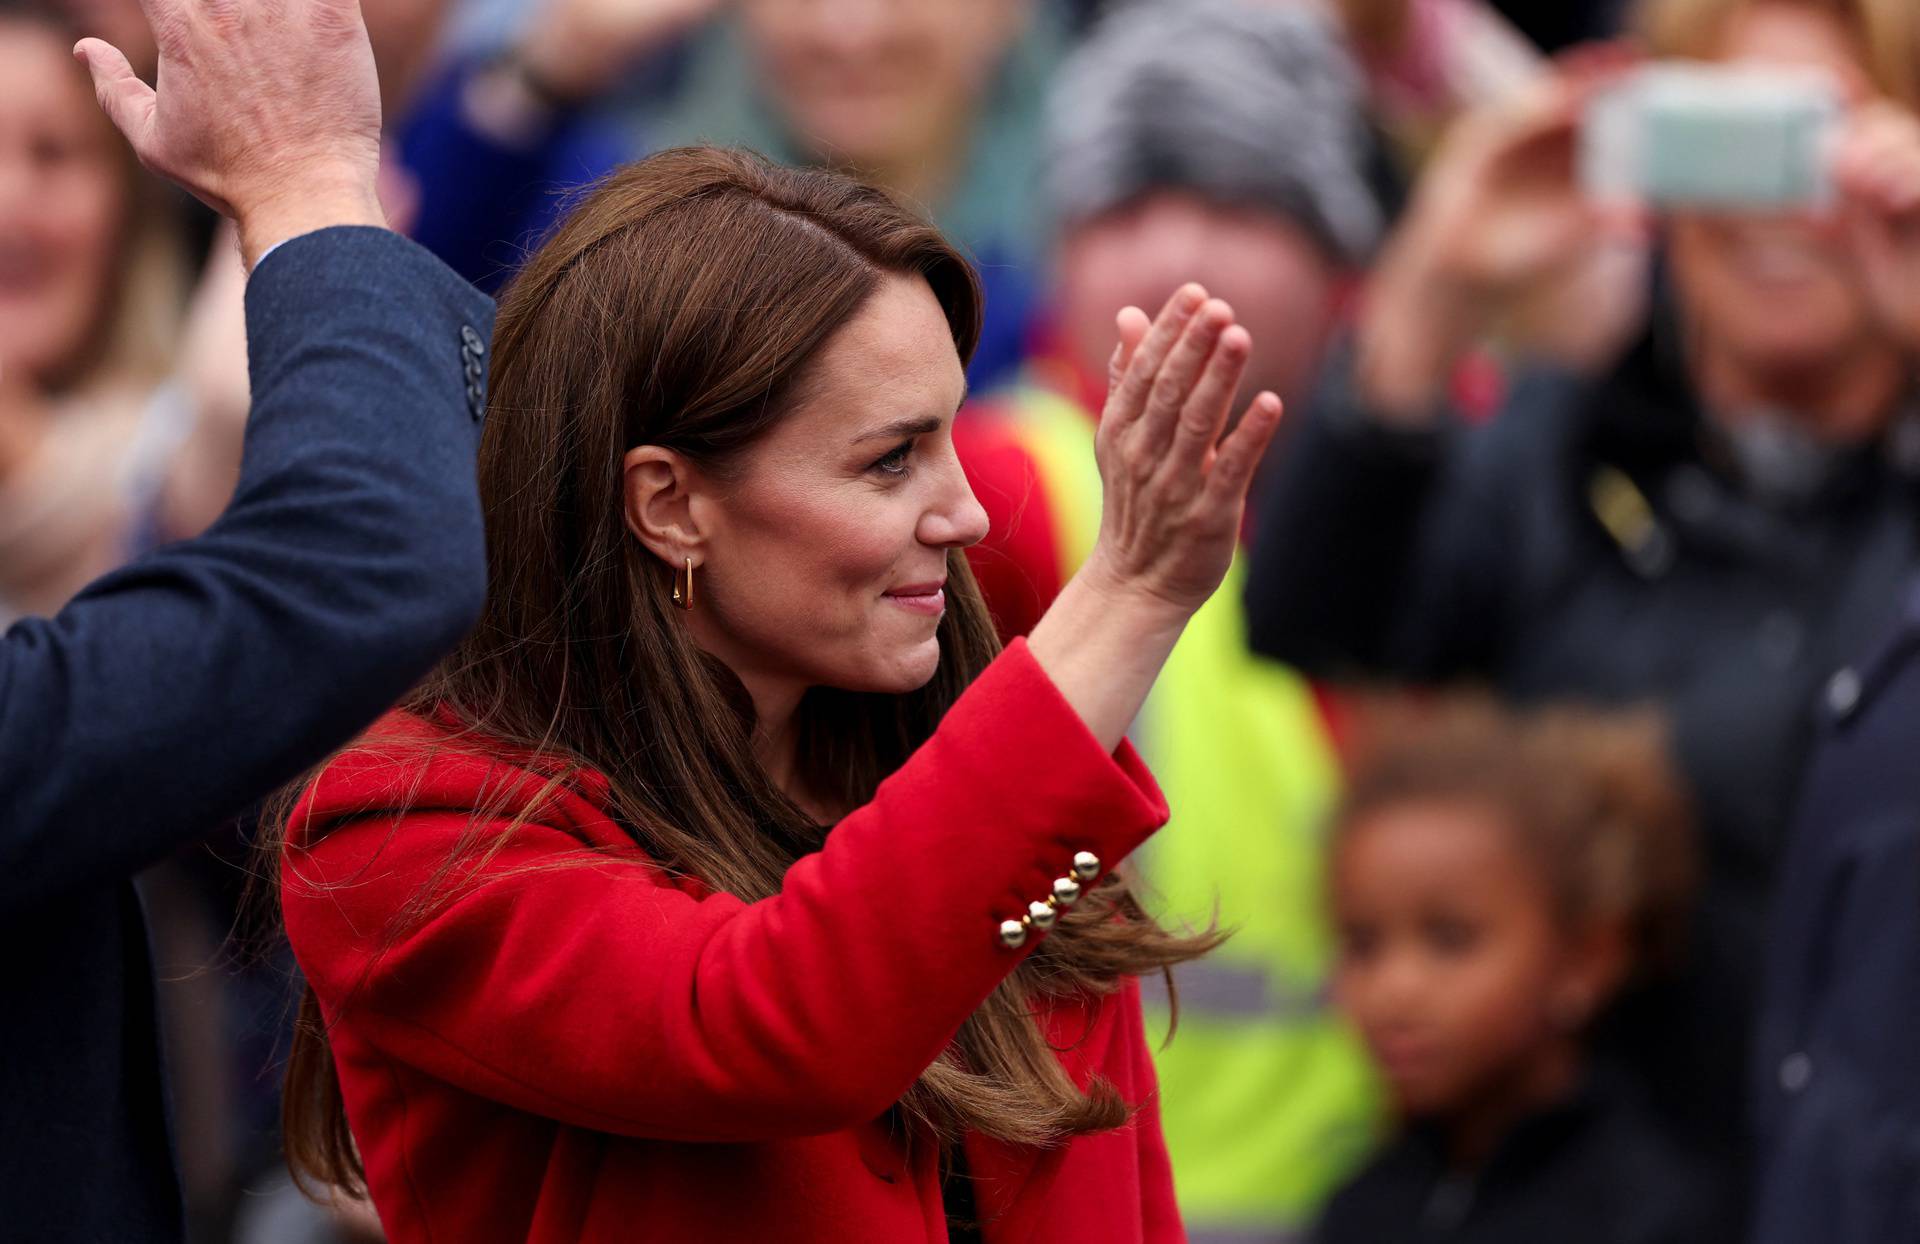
column 1482, row 553
column 1838, row 1084
column 172, row 694
column 1596, row 1169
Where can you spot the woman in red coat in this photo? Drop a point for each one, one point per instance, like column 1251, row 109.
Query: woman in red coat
column 726, row 884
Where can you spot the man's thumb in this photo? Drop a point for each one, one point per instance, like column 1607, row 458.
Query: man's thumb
column 127, row 101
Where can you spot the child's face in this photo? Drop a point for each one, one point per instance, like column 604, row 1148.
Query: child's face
column 1449, row 952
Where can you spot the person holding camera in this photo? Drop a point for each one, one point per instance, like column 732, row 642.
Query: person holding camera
column 1715, row 520
column 185, row 687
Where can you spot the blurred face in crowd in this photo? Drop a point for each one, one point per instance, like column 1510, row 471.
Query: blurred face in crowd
column 63, row 204
column 1449, row 955
column 1279, row 281
column 824, row 549
column 873, row 83
column 1776, row 291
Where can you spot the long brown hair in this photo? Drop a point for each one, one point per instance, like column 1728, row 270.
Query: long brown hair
column 678, row 306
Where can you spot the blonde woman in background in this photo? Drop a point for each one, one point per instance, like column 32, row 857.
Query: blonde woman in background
column 91, row 288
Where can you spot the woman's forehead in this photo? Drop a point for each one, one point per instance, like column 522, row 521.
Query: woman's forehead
column 894, row 358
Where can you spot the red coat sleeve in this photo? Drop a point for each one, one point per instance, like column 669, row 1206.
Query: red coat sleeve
column 607, row 998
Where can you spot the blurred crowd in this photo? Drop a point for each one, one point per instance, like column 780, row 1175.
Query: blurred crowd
column 1648, row 487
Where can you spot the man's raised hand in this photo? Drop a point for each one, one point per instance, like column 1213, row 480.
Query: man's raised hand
column 267, row 110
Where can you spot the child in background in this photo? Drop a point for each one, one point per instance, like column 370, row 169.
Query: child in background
column 1496, row 881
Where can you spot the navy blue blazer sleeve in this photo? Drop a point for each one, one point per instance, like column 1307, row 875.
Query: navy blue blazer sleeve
column 187, row 686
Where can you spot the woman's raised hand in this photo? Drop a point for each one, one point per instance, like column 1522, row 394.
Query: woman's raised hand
column 1174, row 488
column 1176, row 483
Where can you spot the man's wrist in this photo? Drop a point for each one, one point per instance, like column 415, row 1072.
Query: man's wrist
column 266, row 224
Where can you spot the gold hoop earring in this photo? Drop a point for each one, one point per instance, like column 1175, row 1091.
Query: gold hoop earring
column 683, row 590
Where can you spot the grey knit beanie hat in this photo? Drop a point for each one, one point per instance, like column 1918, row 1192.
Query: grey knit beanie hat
column 1237, row 100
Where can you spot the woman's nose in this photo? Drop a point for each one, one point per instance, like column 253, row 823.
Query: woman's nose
column 956, row 519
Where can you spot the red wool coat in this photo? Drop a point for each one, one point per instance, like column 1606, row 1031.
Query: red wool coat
column 605, row 1053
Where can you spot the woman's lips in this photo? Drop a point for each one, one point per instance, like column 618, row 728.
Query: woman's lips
column 926, row 598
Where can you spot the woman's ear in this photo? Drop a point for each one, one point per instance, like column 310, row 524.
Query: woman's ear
column 658, row 495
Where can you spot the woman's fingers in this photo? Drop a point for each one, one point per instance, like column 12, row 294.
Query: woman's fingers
column 1204, row 416
column 1182, row 369
column 1878, row 164
column 1129, row 397
column 1131, row 327
column 1240, row 454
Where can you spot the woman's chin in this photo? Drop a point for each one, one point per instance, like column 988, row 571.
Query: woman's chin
column 896, row 673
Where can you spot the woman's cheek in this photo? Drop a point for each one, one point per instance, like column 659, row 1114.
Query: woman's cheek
column 79, row 225
column 867, row 537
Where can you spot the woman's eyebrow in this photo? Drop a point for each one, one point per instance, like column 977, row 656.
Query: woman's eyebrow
column 900, row 429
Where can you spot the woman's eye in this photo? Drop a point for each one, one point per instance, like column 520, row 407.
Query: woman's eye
column 894, row 461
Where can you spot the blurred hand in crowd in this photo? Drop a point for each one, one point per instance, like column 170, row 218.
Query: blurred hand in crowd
column 64, row 188
column 276, row 123
column 888, row 89
column 578, row 49
column 1877, row 172
column 1499, row 218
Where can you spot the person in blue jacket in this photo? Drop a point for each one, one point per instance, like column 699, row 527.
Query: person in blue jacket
column 187, row 686
column 1836, row 1091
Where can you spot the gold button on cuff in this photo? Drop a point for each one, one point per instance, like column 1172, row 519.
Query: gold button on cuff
column 1086, row 865
column 1013, row 934
column 1041, row 914
column 1066, row 891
